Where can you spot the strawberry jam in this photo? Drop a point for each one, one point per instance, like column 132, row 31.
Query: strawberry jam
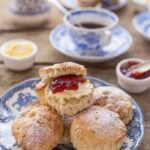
column 125, row 68
column 66, row 82
column 136, row 75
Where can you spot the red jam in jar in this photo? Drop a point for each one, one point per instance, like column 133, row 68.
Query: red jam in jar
column 136, row 75
column 66, row 82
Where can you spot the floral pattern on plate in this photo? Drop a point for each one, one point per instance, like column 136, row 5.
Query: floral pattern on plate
column 23, row 94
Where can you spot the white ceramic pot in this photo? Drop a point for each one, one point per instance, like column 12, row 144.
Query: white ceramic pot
column 130, row 84
column 15, row 63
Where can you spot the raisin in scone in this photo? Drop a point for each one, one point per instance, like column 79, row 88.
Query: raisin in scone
column 65, row 88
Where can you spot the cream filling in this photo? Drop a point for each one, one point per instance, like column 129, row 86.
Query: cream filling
column 83, row 89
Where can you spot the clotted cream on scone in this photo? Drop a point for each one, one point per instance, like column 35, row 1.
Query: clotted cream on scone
column 65, row 88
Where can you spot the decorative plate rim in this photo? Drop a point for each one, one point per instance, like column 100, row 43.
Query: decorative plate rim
column 3, row 98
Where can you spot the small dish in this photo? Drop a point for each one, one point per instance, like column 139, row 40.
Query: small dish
column 120, row 43
column 117, row 6
column 23, row 94
column 131, row 85
column 140, row 5
column 18, row 63
column 141, row 23
column 29, row 13
column 72, row 4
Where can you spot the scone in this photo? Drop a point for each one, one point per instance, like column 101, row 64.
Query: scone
column 65, row 88
column 66, row 134
column 40, row 92
column 87, row 3
column 97, row 129
column 38, row 127
column 115, row 100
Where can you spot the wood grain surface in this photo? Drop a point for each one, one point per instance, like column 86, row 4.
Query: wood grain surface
column 48, row 55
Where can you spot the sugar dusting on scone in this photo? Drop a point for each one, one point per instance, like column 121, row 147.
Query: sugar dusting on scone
column 38, row 127
column 65, row 88
column 97, row 128
column 115, row 100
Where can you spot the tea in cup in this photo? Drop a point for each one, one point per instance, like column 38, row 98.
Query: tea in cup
column 89, row 28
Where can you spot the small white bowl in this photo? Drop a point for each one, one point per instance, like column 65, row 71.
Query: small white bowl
column 140, row 6
column 29, row 20
column 18, row 64
column 130, row 84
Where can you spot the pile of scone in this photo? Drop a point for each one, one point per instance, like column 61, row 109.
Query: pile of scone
column 71, row 110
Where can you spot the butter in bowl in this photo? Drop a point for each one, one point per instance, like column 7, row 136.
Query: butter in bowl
column 18, row 54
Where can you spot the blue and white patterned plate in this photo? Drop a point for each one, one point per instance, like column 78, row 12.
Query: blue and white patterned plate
column 72, row 4
column 61, row 41
column 23, row 94
column 141, row 22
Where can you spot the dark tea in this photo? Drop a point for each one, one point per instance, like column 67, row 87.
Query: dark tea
column 90, row 25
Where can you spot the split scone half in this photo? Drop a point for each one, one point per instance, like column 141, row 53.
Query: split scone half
column 115, row 100
column 97, row 128
column 65, row 88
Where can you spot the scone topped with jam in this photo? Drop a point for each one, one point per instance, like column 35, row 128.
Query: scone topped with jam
column 65, row 88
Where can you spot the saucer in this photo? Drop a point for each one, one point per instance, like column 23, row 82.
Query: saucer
column 121, row 4
column 72, row 4
column 61, row 41
column 141, row 22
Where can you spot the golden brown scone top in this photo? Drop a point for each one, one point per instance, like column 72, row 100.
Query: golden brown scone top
column 62, row 69
column 100, row 124
column 38, row 127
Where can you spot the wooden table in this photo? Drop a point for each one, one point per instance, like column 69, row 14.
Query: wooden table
column 47, row 56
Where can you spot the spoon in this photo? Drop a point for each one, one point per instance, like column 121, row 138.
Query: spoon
column 140, row 68
column 59, row 6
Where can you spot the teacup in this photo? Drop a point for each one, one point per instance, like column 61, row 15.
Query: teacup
column 89, row 28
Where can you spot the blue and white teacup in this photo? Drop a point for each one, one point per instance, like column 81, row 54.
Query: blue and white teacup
column 90, row 38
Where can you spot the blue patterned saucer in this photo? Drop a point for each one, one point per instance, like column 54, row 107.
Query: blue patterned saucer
column 141, row 22
column 121, row 42
column 23, row 94
column 119, row 5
